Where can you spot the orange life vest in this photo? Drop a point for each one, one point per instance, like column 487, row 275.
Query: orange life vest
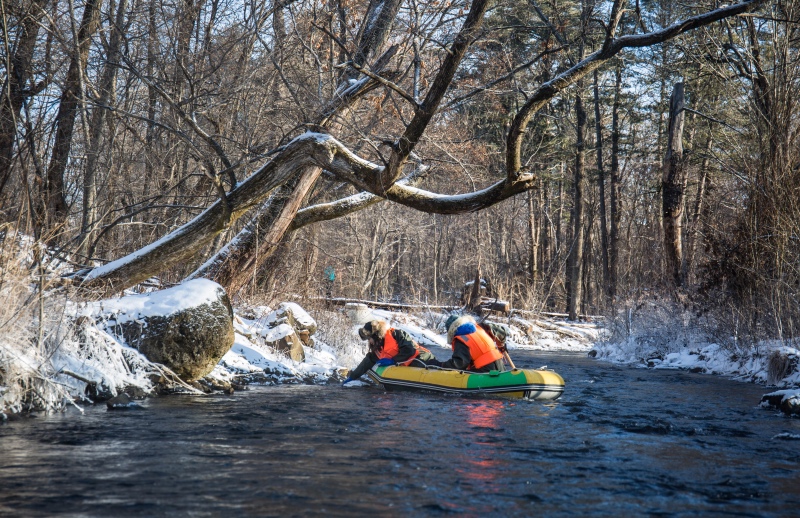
column 482, row 348
column 391, row 348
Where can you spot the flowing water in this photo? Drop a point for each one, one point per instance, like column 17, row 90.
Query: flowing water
column 621, row 441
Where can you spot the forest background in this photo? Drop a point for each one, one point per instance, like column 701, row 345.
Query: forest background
column 582, row 157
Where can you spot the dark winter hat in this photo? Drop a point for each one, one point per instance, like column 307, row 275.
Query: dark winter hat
column 366, row 331
column 452, row 318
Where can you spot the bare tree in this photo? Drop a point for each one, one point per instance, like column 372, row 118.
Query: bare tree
column 54, row 209
column 673, row 185
column 325, row 152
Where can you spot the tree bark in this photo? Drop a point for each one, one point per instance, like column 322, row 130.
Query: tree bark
column 601, row 190
column 96, row 126
column 71, row 98
column 673, row 184
column 575, row 243
column 693, row 232
column 614, row 195
column 17, row 89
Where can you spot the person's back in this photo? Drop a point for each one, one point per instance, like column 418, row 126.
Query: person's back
column 474, row 349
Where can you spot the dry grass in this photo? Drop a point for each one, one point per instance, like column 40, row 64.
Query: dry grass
column 28, row 322
column 46, row 360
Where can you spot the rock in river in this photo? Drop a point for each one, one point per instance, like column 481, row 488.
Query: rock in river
column 188, row 328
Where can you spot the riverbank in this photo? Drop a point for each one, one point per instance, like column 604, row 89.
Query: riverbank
column 82, row 367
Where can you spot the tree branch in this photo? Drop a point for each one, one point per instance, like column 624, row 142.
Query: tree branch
column 611, row 47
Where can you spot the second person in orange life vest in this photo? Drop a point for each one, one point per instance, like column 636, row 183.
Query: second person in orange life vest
column 388, row 346
column 476, row 347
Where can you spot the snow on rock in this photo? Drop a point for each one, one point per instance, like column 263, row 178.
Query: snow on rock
column 276, row 333
column 265, row 349
column 290, row 313
column 301, row 317
column 157, row 303
column 787, row 401
column 187, row 328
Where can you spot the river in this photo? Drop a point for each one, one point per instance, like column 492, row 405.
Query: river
column 620, row 441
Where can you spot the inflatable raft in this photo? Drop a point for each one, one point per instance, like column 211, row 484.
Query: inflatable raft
column 517, row 383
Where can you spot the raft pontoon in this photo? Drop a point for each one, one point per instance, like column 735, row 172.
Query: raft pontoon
column 517, row 383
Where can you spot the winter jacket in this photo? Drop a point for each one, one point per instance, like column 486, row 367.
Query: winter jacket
column 407, row 350
column 462, row 358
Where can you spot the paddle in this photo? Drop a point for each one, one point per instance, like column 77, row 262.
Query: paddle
column 508, row 359
column 501, row 347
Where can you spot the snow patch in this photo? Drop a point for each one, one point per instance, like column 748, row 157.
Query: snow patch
column 157, row 303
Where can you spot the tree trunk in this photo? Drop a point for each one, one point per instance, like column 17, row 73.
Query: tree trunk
column 693, row 232
column 234, row 265
column 106, row 92
column 672, row 189
column 614, row 195
column 18, row 89
column 533, row 247
column 71, row 99
column 601, row 189
column 575, row 254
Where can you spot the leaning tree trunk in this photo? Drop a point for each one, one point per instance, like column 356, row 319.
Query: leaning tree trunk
column 673, row 184
column 233, row 267
column 320, row 150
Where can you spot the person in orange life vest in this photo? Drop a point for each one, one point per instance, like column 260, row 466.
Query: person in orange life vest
column 476, row 347
column 388, row 346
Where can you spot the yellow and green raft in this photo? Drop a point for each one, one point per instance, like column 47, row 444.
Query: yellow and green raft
column 517, row 383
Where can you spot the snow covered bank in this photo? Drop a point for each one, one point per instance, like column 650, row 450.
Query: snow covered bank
column 657, row 339
column 79, row 357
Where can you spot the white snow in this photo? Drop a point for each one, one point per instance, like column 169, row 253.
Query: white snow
column 707, row 357
column 164, row 302
column 300, row 314
column 276, row 333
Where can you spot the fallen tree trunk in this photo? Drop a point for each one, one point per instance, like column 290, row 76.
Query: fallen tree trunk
column 384, row 305
column 309, row 149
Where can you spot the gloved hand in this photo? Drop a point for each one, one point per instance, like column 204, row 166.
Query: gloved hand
column 384, row 362
column 348, row 380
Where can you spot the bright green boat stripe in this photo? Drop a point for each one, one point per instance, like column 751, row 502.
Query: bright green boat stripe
column 476, row 381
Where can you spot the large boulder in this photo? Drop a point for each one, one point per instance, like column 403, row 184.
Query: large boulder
column 188, row 328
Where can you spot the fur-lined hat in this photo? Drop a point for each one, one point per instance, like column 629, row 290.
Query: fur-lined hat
column 375, row 328
column 458, row 322
column 452, row 318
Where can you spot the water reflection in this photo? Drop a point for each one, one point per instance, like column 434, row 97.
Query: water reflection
column 482, row 460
